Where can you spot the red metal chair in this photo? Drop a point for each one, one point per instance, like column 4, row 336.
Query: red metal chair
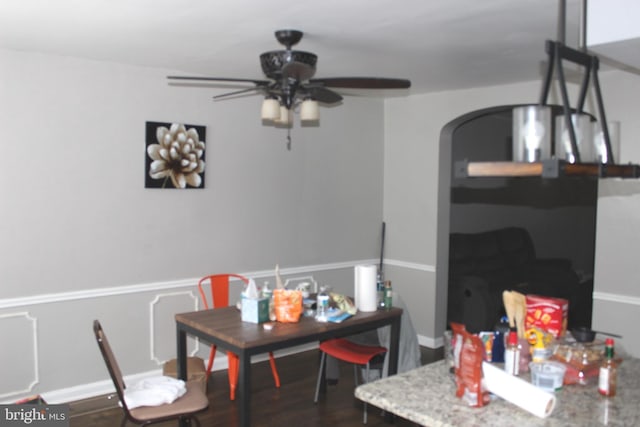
column 219, row 293
column 348, row 351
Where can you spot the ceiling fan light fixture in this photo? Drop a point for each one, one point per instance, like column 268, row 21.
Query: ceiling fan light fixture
column 309, row 110
column 284, row 118
column 270, row 109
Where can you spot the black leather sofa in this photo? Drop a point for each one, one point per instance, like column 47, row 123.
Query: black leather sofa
column 482, row 265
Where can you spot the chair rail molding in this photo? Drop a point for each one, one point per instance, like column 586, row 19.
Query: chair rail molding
column 26, row 301
column 8, row 317
column 411, row 265
column 621, row 299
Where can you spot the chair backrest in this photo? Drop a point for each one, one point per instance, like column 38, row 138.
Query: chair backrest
column 219, row 289
column 111, row 362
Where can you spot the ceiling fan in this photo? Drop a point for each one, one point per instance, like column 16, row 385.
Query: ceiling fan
column 290, row 82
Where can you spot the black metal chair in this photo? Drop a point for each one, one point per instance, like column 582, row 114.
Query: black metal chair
column 184, row 408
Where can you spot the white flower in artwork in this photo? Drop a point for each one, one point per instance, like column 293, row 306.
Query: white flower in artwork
column 177, row 155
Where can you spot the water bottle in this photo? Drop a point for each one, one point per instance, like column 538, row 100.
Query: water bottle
column 322, row 304
column 268, row 293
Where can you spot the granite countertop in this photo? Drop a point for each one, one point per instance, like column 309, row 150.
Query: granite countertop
column 426, row 396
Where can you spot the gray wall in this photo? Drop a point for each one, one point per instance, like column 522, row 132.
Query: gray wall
column 81, row 238
column 76, row 214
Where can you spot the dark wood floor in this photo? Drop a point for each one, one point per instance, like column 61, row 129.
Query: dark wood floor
column 290, row 405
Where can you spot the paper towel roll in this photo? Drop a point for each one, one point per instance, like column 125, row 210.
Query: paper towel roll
column 366, row 291
column 517, row 391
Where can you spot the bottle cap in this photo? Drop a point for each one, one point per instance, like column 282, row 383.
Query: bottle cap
column 608, row 341
column 513, row 338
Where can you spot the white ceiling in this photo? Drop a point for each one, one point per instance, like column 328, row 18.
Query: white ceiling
column 437, row 44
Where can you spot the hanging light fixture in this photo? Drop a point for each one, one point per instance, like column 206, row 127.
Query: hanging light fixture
column 284, row 117
column 278, row 113
column 309, row 110
column 270, row 109
column 576, row 152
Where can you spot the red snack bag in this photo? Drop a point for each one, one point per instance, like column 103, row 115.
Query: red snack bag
column 547, row 313
column 468, row 356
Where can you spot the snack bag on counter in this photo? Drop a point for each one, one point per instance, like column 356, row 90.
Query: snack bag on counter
column 547, row 313
column 287, row 305
column 468, row 356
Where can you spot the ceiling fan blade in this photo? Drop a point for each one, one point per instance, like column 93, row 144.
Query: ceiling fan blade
column 323, row 95
column 237, row 92
column 220, row 79
column 363, row 83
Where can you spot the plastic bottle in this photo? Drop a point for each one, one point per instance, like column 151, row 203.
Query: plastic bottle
column 525, row 355
column 268, row 293
column 539, row 352
column 497, row 351
column 512, row 354
column 608, row 371
column 388, row 295
column 501, row 330
column 322, row 304
column 380, row 290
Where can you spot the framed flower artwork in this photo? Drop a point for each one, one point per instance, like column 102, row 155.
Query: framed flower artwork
column 174, row 155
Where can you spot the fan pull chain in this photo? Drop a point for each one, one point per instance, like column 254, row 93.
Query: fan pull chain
column 289, row 139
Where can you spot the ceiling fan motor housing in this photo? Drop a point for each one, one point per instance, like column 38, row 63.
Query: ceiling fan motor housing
column 273, row 62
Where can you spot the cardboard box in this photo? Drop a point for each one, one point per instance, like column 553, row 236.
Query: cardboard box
column 255, row 310
column 196, row 370
column 547, row 313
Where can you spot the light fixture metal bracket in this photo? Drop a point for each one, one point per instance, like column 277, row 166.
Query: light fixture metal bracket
column 557, row 53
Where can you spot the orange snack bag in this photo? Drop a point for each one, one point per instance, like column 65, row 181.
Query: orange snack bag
column 469, row 354
column 287, row 305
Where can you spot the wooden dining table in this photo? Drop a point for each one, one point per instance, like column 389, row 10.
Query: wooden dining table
column 224, row 328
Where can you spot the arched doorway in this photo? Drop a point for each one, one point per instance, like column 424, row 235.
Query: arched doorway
column 559, row 213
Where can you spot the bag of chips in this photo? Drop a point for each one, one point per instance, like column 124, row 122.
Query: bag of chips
column 468, row 356
column 287, row 305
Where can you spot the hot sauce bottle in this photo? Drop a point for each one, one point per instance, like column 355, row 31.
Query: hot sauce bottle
column 608, row 371
column 512, row 354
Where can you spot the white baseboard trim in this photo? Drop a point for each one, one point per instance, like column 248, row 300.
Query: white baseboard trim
column 98, row 388
column 430, row 342
column 104, row 387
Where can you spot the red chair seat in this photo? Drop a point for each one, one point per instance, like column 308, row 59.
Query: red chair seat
column 351, row 352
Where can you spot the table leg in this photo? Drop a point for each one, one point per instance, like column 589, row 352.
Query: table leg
column 181, row 361
column 323, row 374
column 243, row 391
column 394, row 346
